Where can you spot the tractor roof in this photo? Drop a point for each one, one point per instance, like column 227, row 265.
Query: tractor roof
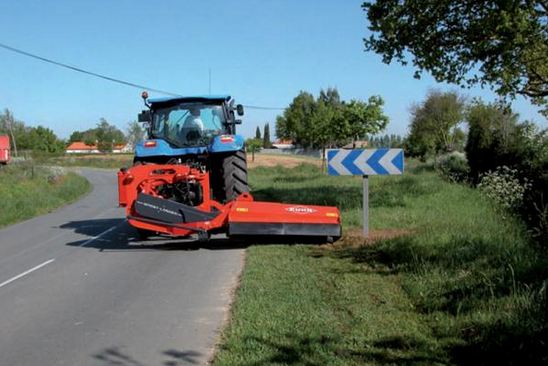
column 169, row 101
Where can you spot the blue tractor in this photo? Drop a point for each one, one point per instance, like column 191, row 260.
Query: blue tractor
column 198, row 131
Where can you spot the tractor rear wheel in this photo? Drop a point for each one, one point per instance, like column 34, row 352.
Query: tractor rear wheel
column 229, row 176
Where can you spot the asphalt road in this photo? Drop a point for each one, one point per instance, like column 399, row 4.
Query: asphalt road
column 77, row 288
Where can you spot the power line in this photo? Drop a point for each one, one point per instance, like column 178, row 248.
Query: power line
column 108, row 78
column 264, row 108
column 74, row 68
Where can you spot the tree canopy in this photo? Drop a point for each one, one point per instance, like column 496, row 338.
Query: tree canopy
column 267, row 144
column 327, row 121
column 503, row 44
column 253, row 145
column 391, row 141
column 435, row 124
column 491, row 132
column 134, row 133
column 105, row 135
column 23, row 137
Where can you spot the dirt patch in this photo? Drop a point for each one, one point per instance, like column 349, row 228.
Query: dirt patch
column 354, row 238
column 287, row 161
column 99, row 156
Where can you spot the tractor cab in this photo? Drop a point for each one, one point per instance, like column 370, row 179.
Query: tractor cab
column 199, row 131
column 191, row 121
column 187, row 127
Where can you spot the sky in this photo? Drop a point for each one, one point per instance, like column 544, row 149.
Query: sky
column 260, row 52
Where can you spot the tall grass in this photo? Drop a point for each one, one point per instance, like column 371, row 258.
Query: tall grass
column 464, row 286
column 27, row 191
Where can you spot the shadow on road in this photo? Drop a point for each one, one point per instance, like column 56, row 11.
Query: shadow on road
column 124, row 237
column 115, row 356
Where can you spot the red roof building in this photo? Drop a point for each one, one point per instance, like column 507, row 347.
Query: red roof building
column 79, row 147
column 283, row 144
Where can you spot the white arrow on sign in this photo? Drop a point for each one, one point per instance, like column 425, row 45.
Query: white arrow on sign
column 336, row 162
column 386, row 161
column 361, row 162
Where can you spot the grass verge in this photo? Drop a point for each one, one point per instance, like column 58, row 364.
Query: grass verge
column 27, row 191
column 462, row 286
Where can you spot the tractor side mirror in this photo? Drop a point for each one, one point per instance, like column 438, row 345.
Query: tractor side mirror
column 240, row 109
column 144, row 116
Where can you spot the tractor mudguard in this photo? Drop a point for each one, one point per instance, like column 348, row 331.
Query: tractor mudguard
column 226, row 143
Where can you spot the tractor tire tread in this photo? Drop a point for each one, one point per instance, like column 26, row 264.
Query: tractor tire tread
column 235, row 175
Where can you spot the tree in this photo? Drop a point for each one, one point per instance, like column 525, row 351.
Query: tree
column 329, row 121
column 491, row 130
column 434, row 124
column 90, row 139
column 365, row 118
column 330, row 97
column 76, row 136
column 38, row 139
column 390, row 141
column 44, row 140
column 296, row 123
column 258, row 133
column 267, row 144
column 105, row 136
column 328, row 126
column 108, row 136
column 135, row 133
column 503, row 44
column 253, row 145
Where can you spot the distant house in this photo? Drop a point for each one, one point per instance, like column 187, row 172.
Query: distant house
column 121, row 149
column 78, row 147
column 359, row 144
column 283, row 144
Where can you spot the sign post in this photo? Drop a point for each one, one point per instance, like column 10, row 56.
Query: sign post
column 366, row 205
column 365, row 163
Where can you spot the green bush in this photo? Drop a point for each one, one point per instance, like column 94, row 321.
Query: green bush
column 491, row 133
column 453, row 167
column 496, row 139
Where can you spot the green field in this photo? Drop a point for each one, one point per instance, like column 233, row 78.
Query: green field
column 27, row 191
column 453, row 282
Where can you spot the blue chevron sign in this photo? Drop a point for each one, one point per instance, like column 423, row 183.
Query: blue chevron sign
column 365, row 162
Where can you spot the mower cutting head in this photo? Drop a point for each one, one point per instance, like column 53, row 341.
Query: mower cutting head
column 174, row 200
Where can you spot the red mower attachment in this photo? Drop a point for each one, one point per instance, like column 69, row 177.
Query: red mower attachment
column 175, row 200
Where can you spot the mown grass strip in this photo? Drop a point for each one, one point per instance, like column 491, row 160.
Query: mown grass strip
column 27, row 191
column 463, row 286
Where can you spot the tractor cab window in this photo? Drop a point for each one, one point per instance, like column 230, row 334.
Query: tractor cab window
column 188, row 124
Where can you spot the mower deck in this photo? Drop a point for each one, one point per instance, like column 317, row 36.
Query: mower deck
column 139, row 191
